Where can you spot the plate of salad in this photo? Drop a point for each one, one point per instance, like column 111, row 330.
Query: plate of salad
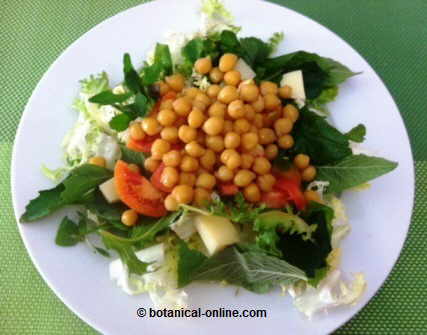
column 233, row 156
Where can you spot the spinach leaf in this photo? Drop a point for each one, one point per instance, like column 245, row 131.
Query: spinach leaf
column 357, row 134
column 352, row 171
column 254, row 270
column 109, row 98
column 188, row 262
column 254, row 51
column 68, row 233
column 132, row 79
column 315, row 137
column 131, row 156
column 229, row 42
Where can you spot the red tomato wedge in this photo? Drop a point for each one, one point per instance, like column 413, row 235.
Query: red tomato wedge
column 228, row 189
column 143, row 145
column 156, row 179
column 292, row 190
column 274, row 199
column 137, row 192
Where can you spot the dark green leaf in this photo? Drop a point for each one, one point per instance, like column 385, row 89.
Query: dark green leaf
column 141, row 104
column 109, row 98
column 353, row 171
column 188, row 262
column 254, row 51
column 103, row 252
column 229, row 42
column 120, row 122
column 151, row 73
column 163, row 56
column 357, row 134
column 68, row 233
column 193, row 50
column 132, row 79
column 315, row 137
column 131, row 156
column 105, row 211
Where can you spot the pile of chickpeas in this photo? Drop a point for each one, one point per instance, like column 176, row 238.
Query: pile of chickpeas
column 230, row 134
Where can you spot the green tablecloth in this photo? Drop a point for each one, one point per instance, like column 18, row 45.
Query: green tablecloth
column 390, row 34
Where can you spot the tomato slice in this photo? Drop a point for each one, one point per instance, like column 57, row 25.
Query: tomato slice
column 291, row 173
column 293, row 191
column 275, row 199
column 137, row 192
column 228, row 189
column 156, row 179
column 143, row 145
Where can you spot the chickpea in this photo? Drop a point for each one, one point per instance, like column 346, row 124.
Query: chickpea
column 97, row 160
column 247, row 160
column 208, row 159
column 189, row 164
column 241, row 126
column 235, row 109
column 227, row 62
column 311, row 195
column 291, row 112
column 172, row 158
column 233, row 161
column 228, row 94
column 196, row 118
column 150, row 126
column 183, row 194
column 201, row 196
column 191, row 92
column 169, row 134
column 270, row 118
column 286, row 142
column 162, row 87
column 169, row 177
column 301, row 161
column 309, row 173
column 283, row 126
column 258, row 151
column 258, row 104
column 213, row 91
column 187, row 134
column 182, row 106
column 252, row 193
column 186, row 178
column 136, row 131
column 266, row 182
column 243, row 178
column 201, row 137
column 175, row 82
column 170, row 203
column 232, row 78
column 129, row 217
column 166, row 117
column 151, row 164
column 232, row 140
column 249, row 141
column 200, row 105
column 285, row 92
column 225, row 155
column 268, row 87
column 266, row 136
column 194, row 149
column 224, row 173
column 166, row 104
column 249, row 92
column 261, row 165
column 217, row 109
column 271, row 151
column 216, row 143
column 202, row 97
column 228, row 127
column 249, row 112
column 271, row 101
column 258, row 120
column 215, row 75
column 133, row 168
column 203, row 65
column 253, row 129
column 214, row 125
column 206, row 180
column 159, row 148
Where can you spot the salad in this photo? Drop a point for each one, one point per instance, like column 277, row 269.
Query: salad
column 214, row 161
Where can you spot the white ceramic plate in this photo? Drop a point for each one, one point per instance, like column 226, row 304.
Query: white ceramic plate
column 80, row 278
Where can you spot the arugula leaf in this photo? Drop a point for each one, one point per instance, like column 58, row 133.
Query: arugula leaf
column 105, row 212
column 253, row 270
column 254, row 51
column 109, row 98
column 229, row 42
column 68, row 233
column 193, row 50
column 132, row 79
column 163, row 57
column 357, row 134
column 188, row 262
column 120, row 122
column 102, row 252
column 140, row 104
column 315, row 137
column 125, row 251
column 131, row 156
column 353, row 171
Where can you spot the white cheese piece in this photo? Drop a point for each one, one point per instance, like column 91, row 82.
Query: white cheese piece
column 245, row 70
column 295, row 80
column 216, row 232
column 108, row 190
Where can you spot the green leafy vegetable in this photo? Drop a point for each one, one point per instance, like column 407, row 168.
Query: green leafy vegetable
column 254, row 51
column 120, row 122
column 109, row 98
column 188, row 262
column 229, row 42
column 68, row 233
column 131, row 156
column 352, row 171
column 357, row 134
column 327, row 95
column 275, row 40
column 104, row 211
column 102, row 252
column 95, row 84
column 253, row 270
column 162, row 65
column 315, row 137
column 132, row 79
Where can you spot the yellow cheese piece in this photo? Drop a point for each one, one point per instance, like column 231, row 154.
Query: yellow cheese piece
column 295, row 80
column 108, row 189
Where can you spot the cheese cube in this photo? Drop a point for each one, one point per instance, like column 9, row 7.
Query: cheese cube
column 216, row 232
column 245, row 70
column 108, row 189
column 295, row 80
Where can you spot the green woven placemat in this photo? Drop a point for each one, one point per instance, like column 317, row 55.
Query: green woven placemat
column 390, row 34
